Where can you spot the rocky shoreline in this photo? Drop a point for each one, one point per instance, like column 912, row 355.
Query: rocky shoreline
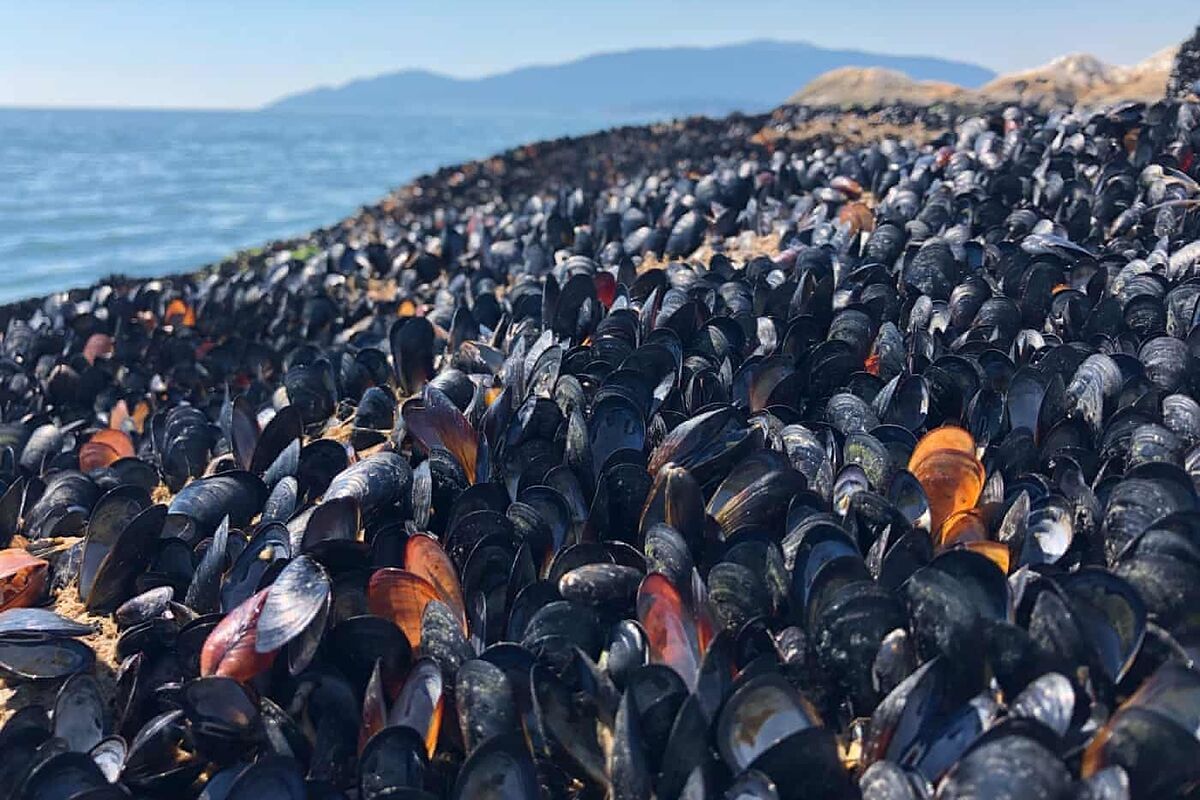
column 804, row 126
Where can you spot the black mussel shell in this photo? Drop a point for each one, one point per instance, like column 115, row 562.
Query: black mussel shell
column 18, row 624
column 500, row 768
column 52, row 659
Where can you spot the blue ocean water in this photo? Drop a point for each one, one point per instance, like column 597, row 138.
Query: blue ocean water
column 87, row 193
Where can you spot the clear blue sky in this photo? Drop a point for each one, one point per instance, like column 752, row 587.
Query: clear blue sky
column 242, row 53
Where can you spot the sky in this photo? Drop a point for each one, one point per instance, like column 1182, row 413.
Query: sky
column 244, row 53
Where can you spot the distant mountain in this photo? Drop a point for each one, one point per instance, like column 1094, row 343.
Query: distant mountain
column 678, row 80
column 1068, row 80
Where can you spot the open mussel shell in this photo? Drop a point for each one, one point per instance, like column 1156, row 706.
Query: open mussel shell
column 434, row 421
column 38, row 660
column 118, row 563
column 270, row 544
column 769, row 728
column 79, row 713
column 904, row 401
column 39, row 623
column 908, row 496
column 616, row 423
column 65, row 775
column 760, row 714
column 1112, row 614
column 109, row 518
column 109, row 755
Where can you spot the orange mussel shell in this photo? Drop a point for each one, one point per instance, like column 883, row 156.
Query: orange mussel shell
column 179, row 313
column 952, row 481
column 858, row 216
column 944, row 462
column 847, row 186
column 120, row 417
column 947, row 437
column 964, row 527
column 107, row 446
column 401, row 596
column 22, row 578
column 425, row 558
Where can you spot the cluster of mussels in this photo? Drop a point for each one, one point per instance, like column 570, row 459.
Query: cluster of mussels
column 538, row 482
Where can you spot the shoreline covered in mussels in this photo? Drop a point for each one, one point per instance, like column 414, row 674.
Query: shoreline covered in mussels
column 801, row 455
column 556, row 159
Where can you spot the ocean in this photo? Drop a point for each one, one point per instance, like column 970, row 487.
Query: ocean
column 86, row 193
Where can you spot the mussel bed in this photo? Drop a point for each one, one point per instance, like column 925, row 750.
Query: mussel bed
column 721, row 458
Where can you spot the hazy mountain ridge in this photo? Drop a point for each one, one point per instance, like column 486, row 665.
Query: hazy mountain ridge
column 1078, row 78
column 748, row 77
